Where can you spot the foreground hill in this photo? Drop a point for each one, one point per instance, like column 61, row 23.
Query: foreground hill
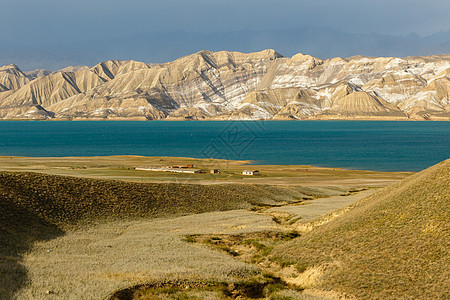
column 36, row 207
column 392, row 245
column 232, row 85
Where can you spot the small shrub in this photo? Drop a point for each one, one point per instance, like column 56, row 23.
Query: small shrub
column 301, row 267
column 276, row 220
column 273, row 287
column 189, row 239
column 292, row 221
column 287, row 236
column 259, row 246
column 267, row 250
column 282, row 262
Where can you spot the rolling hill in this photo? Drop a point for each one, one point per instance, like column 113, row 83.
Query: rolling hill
column 392, row 245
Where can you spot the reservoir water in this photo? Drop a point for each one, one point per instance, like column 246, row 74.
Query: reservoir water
column 368, row 145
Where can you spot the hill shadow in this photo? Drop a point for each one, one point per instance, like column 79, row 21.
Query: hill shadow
column 19, row 229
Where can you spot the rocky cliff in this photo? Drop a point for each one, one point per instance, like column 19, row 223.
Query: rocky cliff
column 232, row 85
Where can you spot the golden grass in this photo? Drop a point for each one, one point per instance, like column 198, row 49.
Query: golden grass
column 92, row 262
column 36, row 208
column 392, row 245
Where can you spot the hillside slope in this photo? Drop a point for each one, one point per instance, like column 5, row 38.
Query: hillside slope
column 392, row 245
column 66, row 201
column 233, row 85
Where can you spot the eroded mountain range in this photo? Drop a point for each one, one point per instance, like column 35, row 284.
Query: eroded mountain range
column 231, row 85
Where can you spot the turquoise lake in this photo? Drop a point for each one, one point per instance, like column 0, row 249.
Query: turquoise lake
column 367, row 145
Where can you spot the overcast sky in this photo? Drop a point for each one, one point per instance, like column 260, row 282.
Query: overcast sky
column 64, row 21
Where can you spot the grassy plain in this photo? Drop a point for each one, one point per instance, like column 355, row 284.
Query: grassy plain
column 122, row 168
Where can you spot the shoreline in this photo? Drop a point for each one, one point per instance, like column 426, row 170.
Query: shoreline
column 231, row 120
column 243, row 162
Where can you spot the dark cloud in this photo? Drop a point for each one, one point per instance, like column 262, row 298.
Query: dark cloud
column 50, row 21
column 55, row 33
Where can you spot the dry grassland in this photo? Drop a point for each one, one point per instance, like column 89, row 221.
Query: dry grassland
column 56, row 230
column 84, row 236
column 122, row 168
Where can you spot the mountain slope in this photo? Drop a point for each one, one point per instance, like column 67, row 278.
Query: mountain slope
column 233, row 85
column 391, row 245
column 11, row 78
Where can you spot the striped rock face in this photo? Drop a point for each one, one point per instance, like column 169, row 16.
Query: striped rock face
column 232, row 85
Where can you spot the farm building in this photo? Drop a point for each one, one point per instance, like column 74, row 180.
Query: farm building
column 180, row 167
column 174, row 170
column 250, row 172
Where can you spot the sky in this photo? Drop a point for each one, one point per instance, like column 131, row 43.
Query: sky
column 47, row 22
column 52, row 34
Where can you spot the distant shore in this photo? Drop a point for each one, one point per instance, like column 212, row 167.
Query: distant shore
column 236, row 120
column 133, row 168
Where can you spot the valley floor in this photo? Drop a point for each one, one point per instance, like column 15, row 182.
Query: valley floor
column 91, row 263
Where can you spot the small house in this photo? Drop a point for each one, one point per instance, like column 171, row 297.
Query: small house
column 250, row 172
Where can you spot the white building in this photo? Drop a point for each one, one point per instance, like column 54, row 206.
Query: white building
column 250, row 172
